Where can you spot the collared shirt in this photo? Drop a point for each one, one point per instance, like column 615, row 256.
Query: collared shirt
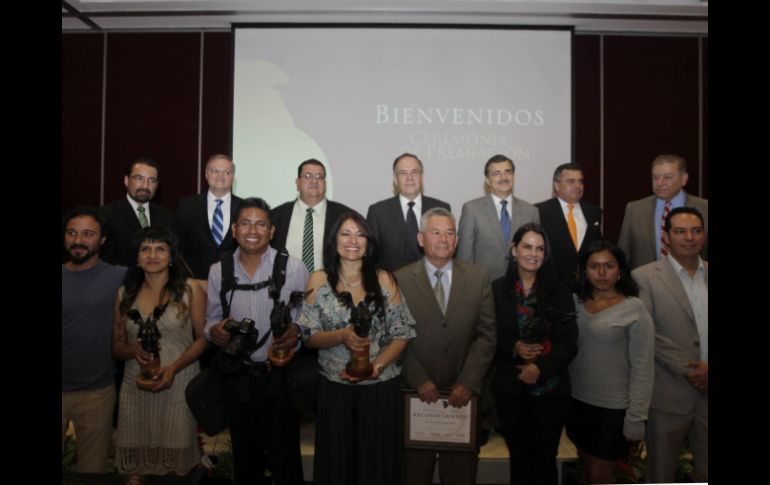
column 135, row 205
column 446, row 278
column 297, row 228
column 255, row 305
column 698, row 293
column 660, row 204
column 417, row 207
column 580, row 220
column 211, row 205
column 508, row 206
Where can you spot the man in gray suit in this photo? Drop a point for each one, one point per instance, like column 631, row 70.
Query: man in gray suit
column 675, row 291
column 394, row 220
column 487, row 223
column 640, row 235
column 451, row 302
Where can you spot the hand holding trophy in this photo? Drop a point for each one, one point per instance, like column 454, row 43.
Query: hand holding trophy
column 149, row 338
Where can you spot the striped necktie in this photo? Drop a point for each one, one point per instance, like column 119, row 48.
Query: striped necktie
column 307, row 241
column 142, row 217
column 217, row 224
column 663, row 246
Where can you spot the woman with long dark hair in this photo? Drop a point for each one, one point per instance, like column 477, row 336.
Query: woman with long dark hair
column 536, row 340
column 156, row 431
column 358, row 439
column 613, row 372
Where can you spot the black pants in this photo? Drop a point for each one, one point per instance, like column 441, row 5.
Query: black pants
column 532, row 429
column 264, row 428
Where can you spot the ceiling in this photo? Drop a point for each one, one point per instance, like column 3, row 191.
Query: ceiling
column 643, row 16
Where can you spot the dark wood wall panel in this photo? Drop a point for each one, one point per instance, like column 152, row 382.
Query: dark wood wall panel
column 81, row 115
column 705, row 121
column 152, row 110
column 217, row 86
column 587, row 112
column 650, row 107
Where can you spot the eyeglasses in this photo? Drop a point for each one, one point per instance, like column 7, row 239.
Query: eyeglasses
column 317, row 176
column 498, row 173
column 226, row 173
column 406, row 173
column 260, row 225
column 141, row 178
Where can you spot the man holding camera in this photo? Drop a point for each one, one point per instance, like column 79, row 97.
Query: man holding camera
column 264, row 427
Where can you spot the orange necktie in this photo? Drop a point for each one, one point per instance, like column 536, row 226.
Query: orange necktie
column 571, row 225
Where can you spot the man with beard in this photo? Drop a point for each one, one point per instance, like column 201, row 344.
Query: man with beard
column 88, row 292
column 126, row 216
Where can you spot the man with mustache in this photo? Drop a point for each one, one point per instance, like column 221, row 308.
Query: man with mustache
column 126, row 216
column 88, row 288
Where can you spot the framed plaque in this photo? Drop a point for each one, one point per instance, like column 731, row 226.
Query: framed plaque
column 439, row 425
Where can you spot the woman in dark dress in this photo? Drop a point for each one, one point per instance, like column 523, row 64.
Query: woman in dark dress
column 536, row 340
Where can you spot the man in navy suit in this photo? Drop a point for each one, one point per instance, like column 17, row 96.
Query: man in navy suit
column 310, row 210
column 204, row 232
column 126, row 216
column 394, row 221
column 586, row 220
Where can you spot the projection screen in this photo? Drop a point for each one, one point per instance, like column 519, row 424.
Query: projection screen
column 355, row 98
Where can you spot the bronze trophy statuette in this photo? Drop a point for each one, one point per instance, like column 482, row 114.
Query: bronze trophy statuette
column 149, row 336
column 361, row 319
column 280, row 319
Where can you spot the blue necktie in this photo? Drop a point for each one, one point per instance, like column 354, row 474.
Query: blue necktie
column 217, row 225
column 505, row 221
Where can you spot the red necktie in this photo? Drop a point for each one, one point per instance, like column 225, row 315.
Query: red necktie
column 663, row 246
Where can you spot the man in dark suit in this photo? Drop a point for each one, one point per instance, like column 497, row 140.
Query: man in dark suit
column 640, row 235
column 301, row 225
column 675, row 291
column 488, row 223
column 570, row 223
column 451, row 301
column 203, row 220
column 126, row 216
column 394, row 221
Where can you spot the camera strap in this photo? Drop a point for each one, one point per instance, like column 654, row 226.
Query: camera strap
column 230, row 283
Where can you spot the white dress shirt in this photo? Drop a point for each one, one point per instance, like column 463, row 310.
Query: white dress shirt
column 297, row 229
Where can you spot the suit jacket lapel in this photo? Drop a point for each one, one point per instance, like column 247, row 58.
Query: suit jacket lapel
column 202, row 215
column 129, row 215
column 398, row 218
column 493, row 223
column 457, row 288
column 422, row 282
column 671, row 281
column 650, row 228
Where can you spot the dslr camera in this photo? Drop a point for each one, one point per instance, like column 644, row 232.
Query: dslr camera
column 243, row 338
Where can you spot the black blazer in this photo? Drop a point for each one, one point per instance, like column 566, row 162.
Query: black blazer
column 281, row 217
column 196, row 242
column 563, row 339
column 565, row 257
column 394, row 250
column 122, row 223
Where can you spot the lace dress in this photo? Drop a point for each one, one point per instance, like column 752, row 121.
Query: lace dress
column 157, row 434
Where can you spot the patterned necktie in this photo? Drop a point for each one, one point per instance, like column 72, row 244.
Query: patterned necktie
column 217, row 224
column 663, row 246
column 411, row 225
column 438, row 290
column 307, row 240
column 142, row 217
column 505, row 221
column 572, row 225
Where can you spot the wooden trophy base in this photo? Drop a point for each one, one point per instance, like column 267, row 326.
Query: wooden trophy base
column 280, row 357
column 147, row 383
column 359, row 365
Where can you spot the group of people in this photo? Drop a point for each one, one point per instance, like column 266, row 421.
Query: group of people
column 524, row 306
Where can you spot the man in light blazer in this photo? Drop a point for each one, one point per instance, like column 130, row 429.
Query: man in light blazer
column 675, row 291
column 481, row 234
column 127, row 215
column 197, row 221
column 554, row 217
column 390, row 219
column 451, row 302
column 640, row 235
column 290, row 218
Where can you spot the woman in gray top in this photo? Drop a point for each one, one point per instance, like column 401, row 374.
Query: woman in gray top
column 612, row 374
